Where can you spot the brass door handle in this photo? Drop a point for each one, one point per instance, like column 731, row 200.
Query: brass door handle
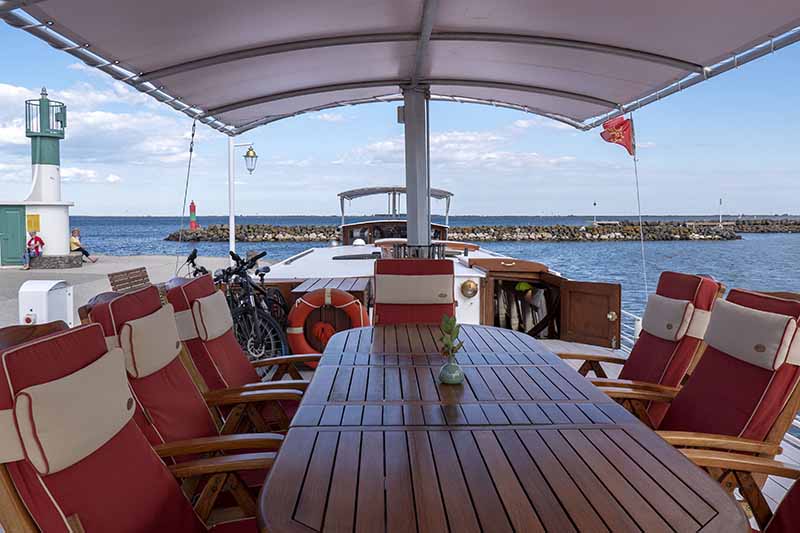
column 612, row 316
column 511, row 264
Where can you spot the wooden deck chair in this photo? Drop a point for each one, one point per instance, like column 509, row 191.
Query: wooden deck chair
column 129, row 280
column 413, row 291
column 673, row 326
column 205, row 326
column 743, row 394
column 171, row 408
column 77, row 462
column 746, row 469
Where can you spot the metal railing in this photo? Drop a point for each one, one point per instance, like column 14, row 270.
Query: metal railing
column 630, row 328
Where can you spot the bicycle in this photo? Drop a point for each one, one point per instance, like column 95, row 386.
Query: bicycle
column 258, row 333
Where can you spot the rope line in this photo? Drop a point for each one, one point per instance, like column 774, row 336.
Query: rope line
column 639, row 209
column 185, row 196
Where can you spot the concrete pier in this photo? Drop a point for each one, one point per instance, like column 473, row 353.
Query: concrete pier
column 92, row 279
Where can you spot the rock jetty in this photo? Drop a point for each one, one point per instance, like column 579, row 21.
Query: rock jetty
column 622, row 231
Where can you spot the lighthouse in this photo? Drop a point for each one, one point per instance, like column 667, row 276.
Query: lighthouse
column 43, row 210
column 45, row 121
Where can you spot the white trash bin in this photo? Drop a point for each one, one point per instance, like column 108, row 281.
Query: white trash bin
column 42, row 301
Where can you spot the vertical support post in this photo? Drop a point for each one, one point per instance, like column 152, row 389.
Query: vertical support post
column 418, row 204
column 341, row 206
column 447, row 211
column 231, row 196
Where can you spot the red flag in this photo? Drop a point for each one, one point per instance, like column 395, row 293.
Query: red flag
column 619, row 131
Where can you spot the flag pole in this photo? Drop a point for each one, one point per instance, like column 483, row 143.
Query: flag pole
column 639, row 207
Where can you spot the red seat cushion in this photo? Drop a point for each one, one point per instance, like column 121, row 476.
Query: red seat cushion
column 174, row 407
column 413, row 313
column 729, row 396
column 221, row 362
column 787, row 516
column 123, row 485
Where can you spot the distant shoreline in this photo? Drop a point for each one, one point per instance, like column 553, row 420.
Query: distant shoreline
column 625, row 230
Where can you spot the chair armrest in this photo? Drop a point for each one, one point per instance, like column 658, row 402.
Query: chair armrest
column 233, row 397
column 621, row 393
column 289, row 384
column 223, row 464
column 593, row 357
column 742, row 463
column 250, row 441
column 710, row 441
column 632, row 384
column 287, row 360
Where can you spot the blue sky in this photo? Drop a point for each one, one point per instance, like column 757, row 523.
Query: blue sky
column 732, row 137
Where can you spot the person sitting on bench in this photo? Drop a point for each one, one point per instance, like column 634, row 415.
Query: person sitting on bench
column 76, row 246
column 32, row 249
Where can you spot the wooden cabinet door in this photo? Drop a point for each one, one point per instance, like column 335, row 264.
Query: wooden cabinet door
column 590, row 312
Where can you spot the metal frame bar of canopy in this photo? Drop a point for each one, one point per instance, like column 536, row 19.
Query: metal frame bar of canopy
column 414, row 86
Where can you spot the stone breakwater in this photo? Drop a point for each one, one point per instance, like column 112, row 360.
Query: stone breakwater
column 624, row 231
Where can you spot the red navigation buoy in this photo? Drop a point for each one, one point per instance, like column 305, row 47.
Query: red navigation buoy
column 193, row 217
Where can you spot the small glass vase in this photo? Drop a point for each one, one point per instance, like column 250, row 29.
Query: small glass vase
column 451, row 373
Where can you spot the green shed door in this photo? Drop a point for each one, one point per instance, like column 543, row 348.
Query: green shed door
column 12, row 234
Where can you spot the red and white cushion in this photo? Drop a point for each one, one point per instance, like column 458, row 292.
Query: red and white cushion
column 409, row 291
column 212, row 316
column 729, row 394
column 170, row 407
column 150, row 343
column 667, row 318
column 757, row 337
column 104, row 471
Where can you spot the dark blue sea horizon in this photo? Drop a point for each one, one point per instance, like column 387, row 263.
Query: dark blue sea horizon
column 757, row 261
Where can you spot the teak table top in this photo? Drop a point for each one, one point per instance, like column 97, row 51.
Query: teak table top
column 526, row 444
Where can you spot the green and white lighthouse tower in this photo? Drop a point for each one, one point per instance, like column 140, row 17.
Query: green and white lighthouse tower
column 45, row 121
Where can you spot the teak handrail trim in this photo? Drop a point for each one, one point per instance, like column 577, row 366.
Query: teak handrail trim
column 711, row 441
column 248, row 441
column 223, row 464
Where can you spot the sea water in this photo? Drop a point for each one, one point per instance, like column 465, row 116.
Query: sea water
column 757, row 261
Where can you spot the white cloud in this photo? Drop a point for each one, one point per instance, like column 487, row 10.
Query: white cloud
column 85, row 175
column 645, row 144
column 457, row 150
column 328, row 117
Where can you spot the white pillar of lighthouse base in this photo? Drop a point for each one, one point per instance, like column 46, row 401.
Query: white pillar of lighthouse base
column 418, row 205
column 44, row 200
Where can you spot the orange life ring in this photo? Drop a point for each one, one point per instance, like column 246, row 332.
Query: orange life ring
column 303, row 307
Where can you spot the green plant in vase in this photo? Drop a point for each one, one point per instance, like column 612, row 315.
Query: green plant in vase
column 450, row 373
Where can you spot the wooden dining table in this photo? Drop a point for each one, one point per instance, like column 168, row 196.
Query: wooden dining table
column 524, row 444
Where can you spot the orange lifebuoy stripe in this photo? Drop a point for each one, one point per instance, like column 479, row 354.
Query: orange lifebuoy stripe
column 303, row 307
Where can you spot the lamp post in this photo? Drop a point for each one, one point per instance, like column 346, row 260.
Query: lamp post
column 250, row 160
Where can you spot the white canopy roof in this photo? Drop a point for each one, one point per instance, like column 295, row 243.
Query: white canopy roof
column 240, row 64
column 439, row 194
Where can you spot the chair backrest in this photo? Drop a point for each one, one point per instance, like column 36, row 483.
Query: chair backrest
column 129, row 280
column 745, row 384
column 205, row 327
column 413, row 291
column 672, row 332
column 77, row 461
column 170, row 406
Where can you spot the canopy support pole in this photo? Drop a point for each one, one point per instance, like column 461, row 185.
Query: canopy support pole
column 418, row 204
column 231, row 196
column 341, row 206
column 447, row 211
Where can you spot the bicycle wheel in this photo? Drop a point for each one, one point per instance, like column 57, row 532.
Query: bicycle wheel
column 266, row 340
